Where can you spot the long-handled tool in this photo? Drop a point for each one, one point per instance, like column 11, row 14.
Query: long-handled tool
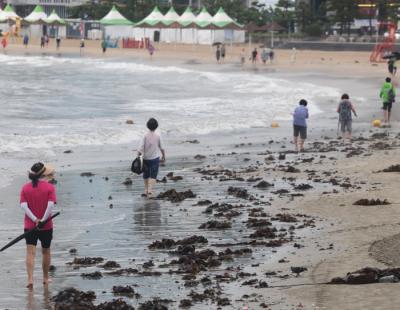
column 19, row 238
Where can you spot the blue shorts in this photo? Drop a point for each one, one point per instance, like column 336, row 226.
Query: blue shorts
column 150, row 169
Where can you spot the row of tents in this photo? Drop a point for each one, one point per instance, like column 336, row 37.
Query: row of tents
column 186, row 28
column 38, row 16
column 171, row 27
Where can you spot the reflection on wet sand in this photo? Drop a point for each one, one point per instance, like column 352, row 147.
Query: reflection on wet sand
column 148, row 216
column 34, row 302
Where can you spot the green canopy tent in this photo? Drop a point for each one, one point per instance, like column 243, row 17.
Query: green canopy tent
column 116, row 25
column 227, row 29
column 188, row 26
column 55, row 22
column 170, row 24
column 149, row 25
column 37, row 16
column 7, row 20
column 8, row 14
column 35, row 22
column 205, row 26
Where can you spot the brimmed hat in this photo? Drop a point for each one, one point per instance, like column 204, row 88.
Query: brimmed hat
column 49, row 170
column 42, row 170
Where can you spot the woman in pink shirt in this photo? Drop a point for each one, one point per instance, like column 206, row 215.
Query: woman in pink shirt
column 37, row 200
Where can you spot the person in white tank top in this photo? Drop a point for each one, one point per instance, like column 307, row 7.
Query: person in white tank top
column 150, row 148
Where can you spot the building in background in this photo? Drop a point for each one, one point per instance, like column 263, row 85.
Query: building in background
column 25, row 7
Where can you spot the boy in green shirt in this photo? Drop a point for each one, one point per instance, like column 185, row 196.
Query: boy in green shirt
column 388, row 94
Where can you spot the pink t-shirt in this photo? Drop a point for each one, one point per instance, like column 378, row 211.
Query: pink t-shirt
column 37, row 199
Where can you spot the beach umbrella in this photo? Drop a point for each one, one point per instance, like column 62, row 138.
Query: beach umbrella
column 38, row 16
column 54, row 19
column 223, row 21
column 8, row 14
column 115, row 18
column 19, row 238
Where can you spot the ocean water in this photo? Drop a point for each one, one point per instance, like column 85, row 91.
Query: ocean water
column 48, row 102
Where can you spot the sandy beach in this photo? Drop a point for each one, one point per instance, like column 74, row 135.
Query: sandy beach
column 264, row 208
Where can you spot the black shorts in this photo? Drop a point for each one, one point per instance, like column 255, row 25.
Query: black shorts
column 45, row 237
column 387, row 106
column 300, row 130
column 392, row 69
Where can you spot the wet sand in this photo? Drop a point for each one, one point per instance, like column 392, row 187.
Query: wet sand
column 336, row 237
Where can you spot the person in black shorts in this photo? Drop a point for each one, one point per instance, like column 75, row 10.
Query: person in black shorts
column 218, row 54
column 392, row 66
column 37, row 199
column 388, row 94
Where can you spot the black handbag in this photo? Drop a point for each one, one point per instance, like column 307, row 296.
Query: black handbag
column 137, row 165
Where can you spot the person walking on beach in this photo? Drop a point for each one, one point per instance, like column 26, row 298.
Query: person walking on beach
column 47, row 40
column 388, row 95
column 58, row 42
column 392, row 66
column 150, row 147
column 242, row 57
column 344, row 109
column 104, row 46
column 37, row 199
column 42, row 41
column 254, row 54
column 4, row 42
column 271, row 55
column 293, row 56
column 218, row 54
column 300, row 116
column 264, row 56
column 26, row 40
column 82, row 47
column 223, row 52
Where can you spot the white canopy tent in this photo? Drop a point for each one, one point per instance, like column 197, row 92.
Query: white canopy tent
column 169, row 32
column 36, row 20
column 7, row 17
column 8, row 14
column 227, row 29
column 147, row 27
column 116, row 25
column 204, row 24
column 57, row 25
column 188, row 30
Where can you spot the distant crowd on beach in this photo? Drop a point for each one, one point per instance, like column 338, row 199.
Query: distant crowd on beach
column 266, row 55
